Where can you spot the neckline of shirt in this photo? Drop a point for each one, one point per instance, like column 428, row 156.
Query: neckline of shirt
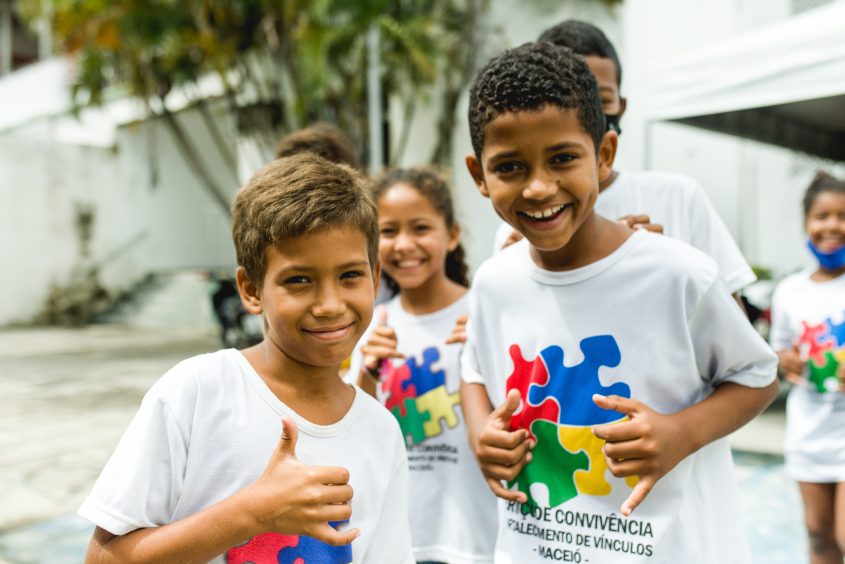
column 277, row 405
column 457, row 307
column 808, row 273
column 565, row 277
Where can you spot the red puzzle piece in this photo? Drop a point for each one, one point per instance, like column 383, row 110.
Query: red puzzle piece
column 394, row 382
column 261, row 549
column 815, row 340
column 524, row 374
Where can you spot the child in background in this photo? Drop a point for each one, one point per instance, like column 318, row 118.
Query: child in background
column 808, row 333
column 201, row 473
column 323, row 139
column 406, row 363
column 616, row 359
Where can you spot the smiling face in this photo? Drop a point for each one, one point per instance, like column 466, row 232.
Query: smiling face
column 414, row 238
column 825, row 222
column 317, row 295
column 541, row 171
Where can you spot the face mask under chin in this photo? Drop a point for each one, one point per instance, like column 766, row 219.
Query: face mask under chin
column 831, row 261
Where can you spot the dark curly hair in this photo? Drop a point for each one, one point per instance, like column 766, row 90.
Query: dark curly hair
column 822, row 182
column 435, row 188
column 529, row 77
column 585, row 39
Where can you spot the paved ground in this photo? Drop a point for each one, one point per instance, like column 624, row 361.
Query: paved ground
column 67, row 396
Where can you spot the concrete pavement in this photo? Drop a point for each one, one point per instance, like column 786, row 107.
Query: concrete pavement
column 67, row 396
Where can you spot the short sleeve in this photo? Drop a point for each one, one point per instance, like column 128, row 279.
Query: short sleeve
column 392, row 536
column 470, row 366
column 709, row 234
column 780, row 333
column 142, row 481
column 727, row 347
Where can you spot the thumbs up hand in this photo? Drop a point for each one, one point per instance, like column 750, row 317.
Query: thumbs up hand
column 381, row 345
column 502, row 453
column 791, row 365
column 293, row 498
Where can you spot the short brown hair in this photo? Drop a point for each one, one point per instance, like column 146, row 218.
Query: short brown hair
column 298, row 195
column 323, row 139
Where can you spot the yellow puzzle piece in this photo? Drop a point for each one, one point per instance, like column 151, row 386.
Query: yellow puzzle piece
column 440, row 405
column 592, row 481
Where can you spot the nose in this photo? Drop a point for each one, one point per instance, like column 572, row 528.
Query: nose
column 540, row 186
column 329, row 302
column 403, row 241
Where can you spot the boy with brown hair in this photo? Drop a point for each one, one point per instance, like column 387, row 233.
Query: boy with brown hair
column 201, row 473
column 615, row 359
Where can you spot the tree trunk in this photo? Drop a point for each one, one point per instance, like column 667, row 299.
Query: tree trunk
column 192, row 158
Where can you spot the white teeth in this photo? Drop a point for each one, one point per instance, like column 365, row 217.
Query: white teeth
column 542, row 214
column 409, row 263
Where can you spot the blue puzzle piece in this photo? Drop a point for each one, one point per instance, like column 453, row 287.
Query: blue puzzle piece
column 422, row 377
column 311, row 551
column 572, row 387
column 837, row 331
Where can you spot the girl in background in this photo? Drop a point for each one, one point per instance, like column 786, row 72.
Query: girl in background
column 405, row 362
column 808, row 333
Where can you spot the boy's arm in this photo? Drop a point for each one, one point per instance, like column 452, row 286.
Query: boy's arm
column 501, row 453
column 651, row 444
column 289, row 498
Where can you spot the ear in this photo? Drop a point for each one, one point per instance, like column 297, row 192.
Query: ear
column 606, row 154
column 477, row 173
column 454, row 237
column 376, row 279
column 250, row 293
column 623, row 105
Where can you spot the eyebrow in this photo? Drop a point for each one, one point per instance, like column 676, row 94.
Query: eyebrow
column 303, row 268
column 553, row 148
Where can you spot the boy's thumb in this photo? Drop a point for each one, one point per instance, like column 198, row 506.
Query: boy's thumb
column 507, row 409
column 290, row 433
column 382, row 316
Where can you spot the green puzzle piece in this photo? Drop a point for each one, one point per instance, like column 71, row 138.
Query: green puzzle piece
column 824, row 377
column 412, row 423
column 552, row 465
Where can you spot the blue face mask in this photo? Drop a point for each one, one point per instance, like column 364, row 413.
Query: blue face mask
column 829, row 261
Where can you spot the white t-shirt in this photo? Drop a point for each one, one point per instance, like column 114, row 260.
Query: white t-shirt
column 812, row 314
column 207, row 429
column 652, row 321
column 452, row 510
column 680, row 205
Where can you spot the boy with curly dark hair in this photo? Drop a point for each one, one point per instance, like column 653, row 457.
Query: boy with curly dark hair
column 604, row 366
column 664, row 202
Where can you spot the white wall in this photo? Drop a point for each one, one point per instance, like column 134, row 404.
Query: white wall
column 41, row 181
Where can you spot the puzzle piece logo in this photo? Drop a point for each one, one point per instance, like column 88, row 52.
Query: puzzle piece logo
column 273, row 548
column 415, row 392
column 823, row 347
column 558, row 411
